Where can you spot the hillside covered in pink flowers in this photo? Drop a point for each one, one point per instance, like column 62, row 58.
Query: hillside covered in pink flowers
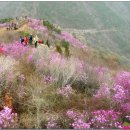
column 64, row 85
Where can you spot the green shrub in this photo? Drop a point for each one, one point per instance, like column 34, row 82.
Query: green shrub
column 57, row 30
column 5, row 20
column 59, row 48
column 51, row 26
column 66, row 46
column 23, row 33
column 48, row 25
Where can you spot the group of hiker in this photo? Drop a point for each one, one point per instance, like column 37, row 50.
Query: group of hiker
column 32, row 40
column 11, row 26
column 15, row 23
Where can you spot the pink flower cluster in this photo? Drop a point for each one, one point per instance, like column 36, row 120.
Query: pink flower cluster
column 106, row 119
column 21, row 77
column 80, row 66
column 80, row 124
column 57, row 59
column 122, row 90
column 101, row 72
column 78, row 120
column 119, row 93
column 30, row 58
column 49, row 79
column 97, row 119
column 123, row 79
column 2, row 25
column 37, row 25
column 104, row 91
column 16, row 50
column 7, row 118
column 128, row 117
column 75, row 42
column 52, row 123
column 65, row 91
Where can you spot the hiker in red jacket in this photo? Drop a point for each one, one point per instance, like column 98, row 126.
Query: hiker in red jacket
column 1, row 49
column 26, row 40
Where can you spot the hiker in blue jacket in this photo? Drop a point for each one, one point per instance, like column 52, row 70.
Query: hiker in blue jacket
column 21, row 39
column 30, row 39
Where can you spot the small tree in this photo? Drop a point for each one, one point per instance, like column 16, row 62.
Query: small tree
column 66, row 46
column 48, row 25
column 58, row 47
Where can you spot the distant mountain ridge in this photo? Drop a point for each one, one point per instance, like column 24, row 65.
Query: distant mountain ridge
column 81, row 15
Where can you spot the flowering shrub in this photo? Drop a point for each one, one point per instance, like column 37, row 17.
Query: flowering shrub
column 36, row 25
column 75, row 42
column 97, row 119
column 80, row 66
column 52, row 123
column 80, row 124
column 104, row 91
column 121, row 91
column 106, row 119
column 57, row 59
column 123, row 79
column 128, row 117
column 78, row 120
column 16, row 50
column 49, row 79
column 2, row 25
column 8, row 119
column 30, row 58
column 66, row 91
column 103, row 75
column 21, row 77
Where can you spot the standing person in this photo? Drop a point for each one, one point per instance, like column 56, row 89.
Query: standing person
column 26, row 40
column 12, row 25
column 21, row 39
column 15, row 26
column 35, row 41
column 30, row 39
column 47, row 43
column 9, row 26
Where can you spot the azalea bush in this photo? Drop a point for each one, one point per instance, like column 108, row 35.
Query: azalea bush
column 73, row 41
column 8, row 119
column 65, row 91
column 3, row 25
column 121, row 91
column 16, row 50
column 36, row 25
column 78, row 120
column 97, row 119
column 106, row 119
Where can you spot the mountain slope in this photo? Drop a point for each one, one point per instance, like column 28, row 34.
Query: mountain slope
column 84, row 16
